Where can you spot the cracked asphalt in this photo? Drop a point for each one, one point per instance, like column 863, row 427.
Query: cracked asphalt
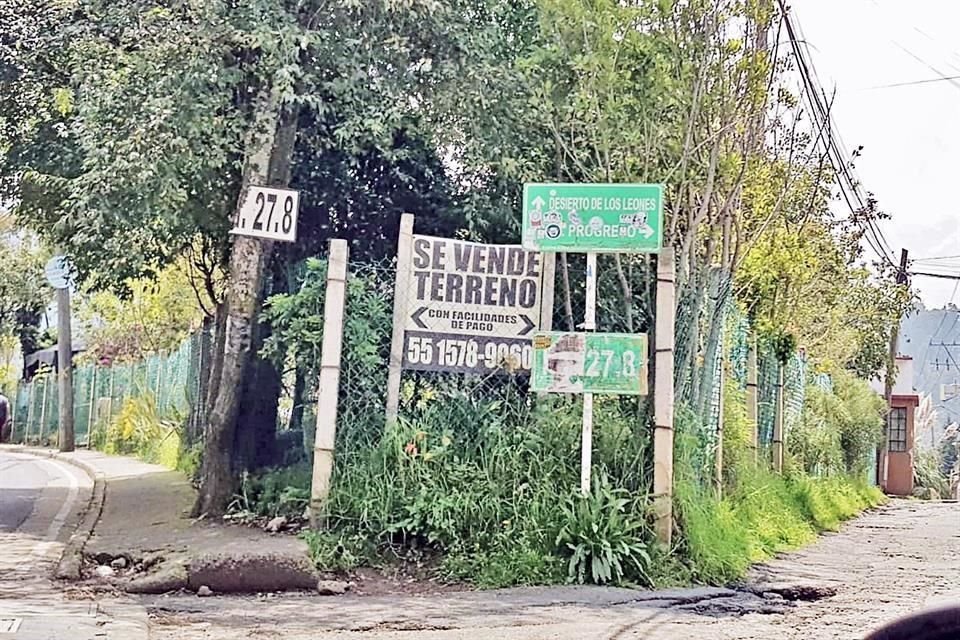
column 893, row 561
column 40, row 501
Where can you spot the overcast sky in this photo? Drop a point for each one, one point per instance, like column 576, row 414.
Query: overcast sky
column 910, row 134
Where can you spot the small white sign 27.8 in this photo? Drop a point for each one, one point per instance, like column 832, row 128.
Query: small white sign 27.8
column 268, row 213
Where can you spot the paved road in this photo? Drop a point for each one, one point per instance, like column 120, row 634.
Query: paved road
column 888, row 563
column 41, row 501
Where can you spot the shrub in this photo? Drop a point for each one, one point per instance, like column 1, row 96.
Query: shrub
column 839, row 428
column 601, row 537
column 761, row 513
column 140, row 430
column 484, row 485
column 276, row 492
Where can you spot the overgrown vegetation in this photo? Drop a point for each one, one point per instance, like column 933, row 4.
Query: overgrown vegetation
column 128, row 133
column 839, row 428
column 486, row 491
column 760, row 513
column 156, row 316
column 138, row 429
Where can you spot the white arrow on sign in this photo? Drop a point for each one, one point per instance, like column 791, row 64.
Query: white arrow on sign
column 538, row 203
column 647, row 231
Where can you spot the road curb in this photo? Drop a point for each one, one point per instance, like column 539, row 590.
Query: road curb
column 70, row 565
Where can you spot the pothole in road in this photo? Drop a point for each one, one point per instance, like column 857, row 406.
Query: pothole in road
column 802, row 591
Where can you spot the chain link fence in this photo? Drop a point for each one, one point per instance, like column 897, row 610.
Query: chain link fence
column 625, row 285
column 173, row 381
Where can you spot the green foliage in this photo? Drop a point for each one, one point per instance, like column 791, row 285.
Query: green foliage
column 129, row 124
column 738, row 434
column 297, row 334
column 949, row 451
column 157, row 316
column 189, row 461
column 604, row 541
column 140, row 430
column 839, row 428
column 765, row 514
column 927, row 473
column 486, row 484
column 24, row 291
column 760, row 513
column 277, row 492
column 338, row 551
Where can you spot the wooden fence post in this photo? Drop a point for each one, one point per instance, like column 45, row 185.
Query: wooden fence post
column 778, row 424
column 663, row 397
column 753, row 398
column 401, row 291
column 329, row 384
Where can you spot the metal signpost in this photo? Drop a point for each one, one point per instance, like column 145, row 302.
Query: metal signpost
column 268, row 213
column 591, row 219
column 57, row 271
column 470, row 308
column 603, row 218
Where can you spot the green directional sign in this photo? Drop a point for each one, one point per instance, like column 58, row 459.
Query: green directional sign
column 601, row 218
column 613, row 363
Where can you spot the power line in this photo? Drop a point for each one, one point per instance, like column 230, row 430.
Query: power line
column 945, row 276
column 942, row 75
column 811, row 84
column 943, row 318
column 936, row 258
column 911, row 83
column 835, row 151
column 899, row 21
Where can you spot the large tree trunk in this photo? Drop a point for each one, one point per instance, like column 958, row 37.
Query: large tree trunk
column 255, row 443
column 214, row 368
column 268, row 154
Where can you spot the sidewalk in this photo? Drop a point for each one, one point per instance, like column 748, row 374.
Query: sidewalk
column 145, row 542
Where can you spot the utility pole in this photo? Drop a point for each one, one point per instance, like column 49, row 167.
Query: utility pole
column 882, row 466
column 65, row 369
column 57, row 271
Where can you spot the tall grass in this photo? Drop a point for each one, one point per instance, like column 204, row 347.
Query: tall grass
column 761, row 513
column 487, row 489
column 484, row 489
column 139, row 429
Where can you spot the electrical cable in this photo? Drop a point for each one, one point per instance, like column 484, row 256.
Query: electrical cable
column 835, row 150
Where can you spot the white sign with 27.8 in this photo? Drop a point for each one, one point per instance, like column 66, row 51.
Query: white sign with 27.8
column 268, row 213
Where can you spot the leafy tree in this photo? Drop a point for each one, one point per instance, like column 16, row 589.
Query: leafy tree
column 156, row 316
column 173, row 109
column 24, row 292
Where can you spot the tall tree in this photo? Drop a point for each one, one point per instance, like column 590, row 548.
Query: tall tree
column 172, row 109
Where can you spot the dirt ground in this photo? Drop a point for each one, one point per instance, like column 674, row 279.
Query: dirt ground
column 892, row 561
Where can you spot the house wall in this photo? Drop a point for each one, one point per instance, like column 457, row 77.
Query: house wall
column 900, row 463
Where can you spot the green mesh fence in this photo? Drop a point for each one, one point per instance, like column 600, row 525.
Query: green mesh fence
column 99, row 392
column 739, row 347
column 176, row 380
